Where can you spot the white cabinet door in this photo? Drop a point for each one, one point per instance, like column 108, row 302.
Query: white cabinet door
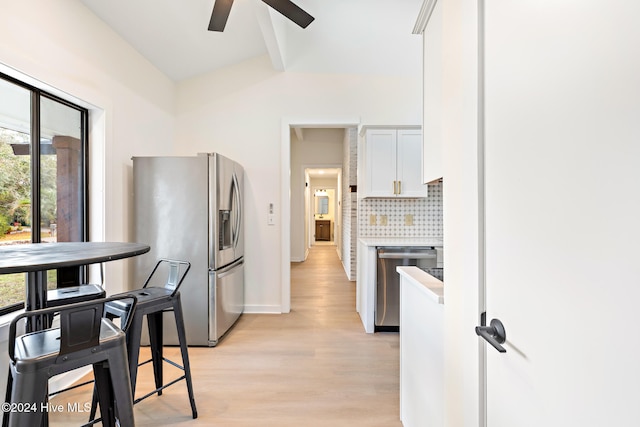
column 562, row 96
column 393, row 165
column 409, row 164
column 380, row 148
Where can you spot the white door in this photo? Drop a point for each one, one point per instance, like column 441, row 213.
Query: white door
column 562, row 203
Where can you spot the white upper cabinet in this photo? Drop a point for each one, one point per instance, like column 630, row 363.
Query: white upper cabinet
column 432, row 120
column 392, row 163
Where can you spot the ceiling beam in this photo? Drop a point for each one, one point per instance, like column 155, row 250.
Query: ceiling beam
column 273, row 37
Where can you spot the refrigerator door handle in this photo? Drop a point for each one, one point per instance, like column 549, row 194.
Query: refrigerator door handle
column 229, row 269
column 238, row 224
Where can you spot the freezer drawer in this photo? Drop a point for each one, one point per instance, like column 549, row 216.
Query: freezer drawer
column 226, row 291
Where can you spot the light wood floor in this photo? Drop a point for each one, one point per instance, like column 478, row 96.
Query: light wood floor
column 312, row 367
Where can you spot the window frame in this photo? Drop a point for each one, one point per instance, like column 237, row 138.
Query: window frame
column 35, row 126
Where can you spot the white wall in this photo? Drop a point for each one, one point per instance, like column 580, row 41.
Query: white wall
column 460, row 199
column 238, row 111
column 63, row 45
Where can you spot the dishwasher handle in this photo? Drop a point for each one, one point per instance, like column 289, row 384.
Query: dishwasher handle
column 405, row 255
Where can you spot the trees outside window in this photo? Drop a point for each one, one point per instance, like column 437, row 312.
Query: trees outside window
column 43, row 187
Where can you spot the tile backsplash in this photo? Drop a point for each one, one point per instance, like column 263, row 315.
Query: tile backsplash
column 402, row 217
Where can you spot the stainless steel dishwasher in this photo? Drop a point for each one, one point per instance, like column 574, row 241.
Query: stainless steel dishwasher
column 387, row 315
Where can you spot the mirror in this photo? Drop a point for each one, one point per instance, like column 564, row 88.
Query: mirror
column 322, row 205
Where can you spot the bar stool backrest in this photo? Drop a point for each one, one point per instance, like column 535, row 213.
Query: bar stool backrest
column 175, row 276
column 79, row 323
column 80, row 327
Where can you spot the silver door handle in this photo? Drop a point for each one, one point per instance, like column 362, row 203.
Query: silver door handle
column 228, row 269
column 238, row 224
column 493, row 334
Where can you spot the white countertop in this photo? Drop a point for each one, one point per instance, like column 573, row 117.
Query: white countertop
column 401, row 241
column 431, row 286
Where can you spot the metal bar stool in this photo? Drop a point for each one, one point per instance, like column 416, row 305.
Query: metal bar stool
column 152, row 302
column 73, row 294
column 84, row 338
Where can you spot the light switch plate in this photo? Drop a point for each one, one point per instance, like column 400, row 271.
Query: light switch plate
column 271, row 216
column 383, row 220
column 372, row 220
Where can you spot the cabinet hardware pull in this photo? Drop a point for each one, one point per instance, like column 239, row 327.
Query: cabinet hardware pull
column 399, row 187
column 394, row 187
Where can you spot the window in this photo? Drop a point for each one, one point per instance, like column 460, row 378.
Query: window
column 43, row 185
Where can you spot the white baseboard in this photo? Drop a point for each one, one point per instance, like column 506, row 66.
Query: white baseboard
column 262, row 309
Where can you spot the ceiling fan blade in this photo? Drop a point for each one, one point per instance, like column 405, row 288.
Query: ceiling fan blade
column 220, row 14
column 291, row 11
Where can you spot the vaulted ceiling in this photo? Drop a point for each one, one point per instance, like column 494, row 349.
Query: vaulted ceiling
column 347, row 36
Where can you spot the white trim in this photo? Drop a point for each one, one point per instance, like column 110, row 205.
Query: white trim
column 424, row 15
column 285, row 191
column 482, row 223
column 261, row 309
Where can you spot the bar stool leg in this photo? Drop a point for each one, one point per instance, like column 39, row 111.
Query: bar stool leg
column 105, row 393
column 94, row 403
column 133, row 348
column 182, row 337
column 7, row 398
column 121, row 388
column 26, row 388
column 155, row 323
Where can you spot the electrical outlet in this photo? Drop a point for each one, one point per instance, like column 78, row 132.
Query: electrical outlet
column 372, row 220
column 383, row 220
column 408, row 219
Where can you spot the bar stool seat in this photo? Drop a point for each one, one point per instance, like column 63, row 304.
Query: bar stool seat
column 84, row 338
column 74, row 294
column 152, row 302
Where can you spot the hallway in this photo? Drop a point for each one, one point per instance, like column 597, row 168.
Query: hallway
column 312, row 367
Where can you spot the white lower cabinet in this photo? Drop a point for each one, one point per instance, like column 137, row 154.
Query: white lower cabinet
column 421, row 357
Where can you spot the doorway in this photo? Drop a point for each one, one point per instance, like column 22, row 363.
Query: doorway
column 323, row 211
column 316, row 161
column 293, row 207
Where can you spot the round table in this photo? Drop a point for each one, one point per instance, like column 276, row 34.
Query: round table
column 37, row 258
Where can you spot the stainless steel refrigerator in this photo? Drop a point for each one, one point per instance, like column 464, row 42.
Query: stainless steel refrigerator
column 190, row 208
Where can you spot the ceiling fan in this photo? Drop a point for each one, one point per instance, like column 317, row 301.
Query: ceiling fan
column 221, row 10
